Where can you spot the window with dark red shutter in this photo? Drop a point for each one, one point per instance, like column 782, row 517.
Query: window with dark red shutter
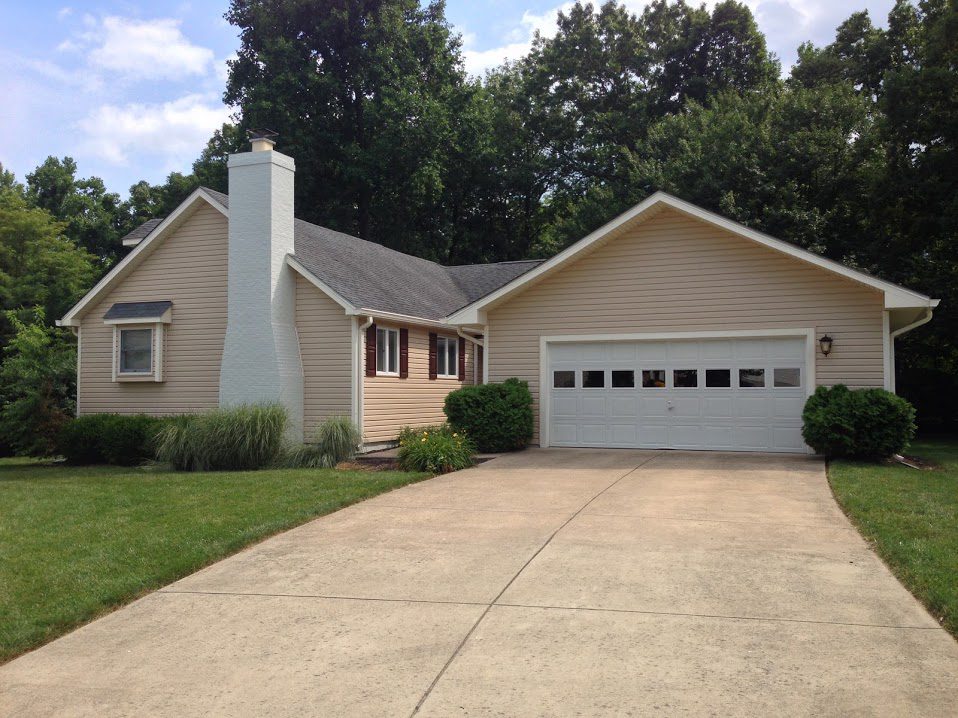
column 433, row 340
column 403, row 353
column 371, row 350
column 462, row 359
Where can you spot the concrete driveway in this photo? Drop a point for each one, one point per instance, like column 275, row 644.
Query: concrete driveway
column 546, row 583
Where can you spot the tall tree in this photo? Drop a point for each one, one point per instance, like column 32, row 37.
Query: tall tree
column 361, row 93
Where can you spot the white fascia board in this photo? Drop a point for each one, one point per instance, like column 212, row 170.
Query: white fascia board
column 406, row 319
column 895, row 296
column 321, row 285
column 71, row 318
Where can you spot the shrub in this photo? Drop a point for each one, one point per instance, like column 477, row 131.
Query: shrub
column 864, row 423
column 240, row 438
column 497, row 417
column 337, row 439
column 109, row 439
column 435, row 449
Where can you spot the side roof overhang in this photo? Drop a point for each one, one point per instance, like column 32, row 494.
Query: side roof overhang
column 186, row 208
column 895, row 297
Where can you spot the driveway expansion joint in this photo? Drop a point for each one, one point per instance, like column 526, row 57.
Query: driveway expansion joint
column 512, row 580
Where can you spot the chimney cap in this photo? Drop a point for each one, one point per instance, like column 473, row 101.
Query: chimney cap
column 262, row 133
column 262, row 139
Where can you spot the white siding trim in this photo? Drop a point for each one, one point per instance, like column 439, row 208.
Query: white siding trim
column 79, row 333
column 485, row 354
column 888, row 351
column 544, row 385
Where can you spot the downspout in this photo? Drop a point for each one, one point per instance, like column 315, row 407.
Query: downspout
column 475, row 353
column 898, row 332
column 359, row 376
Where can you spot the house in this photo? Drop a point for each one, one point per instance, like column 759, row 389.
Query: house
column 670, row 326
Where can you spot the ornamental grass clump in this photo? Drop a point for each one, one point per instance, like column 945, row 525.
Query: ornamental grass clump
column 434, row 449
column 240, row 438
column 337, row 439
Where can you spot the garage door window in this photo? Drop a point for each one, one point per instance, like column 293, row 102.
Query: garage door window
column 563, row 379
column 653, row 378
column 718, row 378
column 751, row 378
column 788, row 378
column 623, row 379
column 685, row 378
column 593, row 379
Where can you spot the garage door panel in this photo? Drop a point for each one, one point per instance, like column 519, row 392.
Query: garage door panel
column 787, row 439
column 593, row 434
column 717, row 406
column 623, row 407
column 624, row 435
column 754, row 438
column 686, row 406
column 655, row 406
column 709, row 416
column 565, row 406
column 593, row 407
column 752, row 407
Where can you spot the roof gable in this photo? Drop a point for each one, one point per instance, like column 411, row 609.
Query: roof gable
column 143, row 248
column 895, row 296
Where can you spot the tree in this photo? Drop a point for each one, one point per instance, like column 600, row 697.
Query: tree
column 39, row 266
column 92, row 216
column 361, row 93
column 37, row 385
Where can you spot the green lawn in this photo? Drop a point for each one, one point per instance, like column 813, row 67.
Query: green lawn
column 912, row 518
column 77, row 542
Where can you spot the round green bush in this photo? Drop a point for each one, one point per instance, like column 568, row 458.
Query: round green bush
column 862, row 423
column 497, row 417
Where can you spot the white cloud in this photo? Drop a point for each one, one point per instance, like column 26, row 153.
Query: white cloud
column 139, row 49
column 175, row 131
column 64, row 12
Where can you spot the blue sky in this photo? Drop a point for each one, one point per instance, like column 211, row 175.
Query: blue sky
column 132, row 89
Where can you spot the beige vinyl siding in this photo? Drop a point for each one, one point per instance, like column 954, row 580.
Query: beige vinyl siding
column 188, row 268
column 325, row 341
column 676, row 273
column 390, row 403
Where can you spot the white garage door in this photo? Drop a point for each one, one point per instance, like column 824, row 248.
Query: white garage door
column 729, row 394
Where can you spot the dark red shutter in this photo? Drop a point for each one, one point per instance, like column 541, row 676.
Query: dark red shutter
column 371, row 350
column 403, row 353
column 482, row 378
column 462, row 359
column 432, row 355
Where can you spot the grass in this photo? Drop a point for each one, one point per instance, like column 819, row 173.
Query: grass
column 78, row 542
column 912, row 518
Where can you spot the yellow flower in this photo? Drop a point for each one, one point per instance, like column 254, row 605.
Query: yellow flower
column 455, row 435
column 424, row 440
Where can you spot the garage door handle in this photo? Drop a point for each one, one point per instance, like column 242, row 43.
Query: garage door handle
column 669, row 405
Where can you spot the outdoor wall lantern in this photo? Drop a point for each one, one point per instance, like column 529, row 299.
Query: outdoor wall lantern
column 825, row 344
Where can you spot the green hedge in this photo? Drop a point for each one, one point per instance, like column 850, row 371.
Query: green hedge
column 863, row 423
column 496, row 417
column 124, row 440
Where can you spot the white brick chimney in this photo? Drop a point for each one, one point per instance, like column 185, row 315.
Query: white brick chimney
column 261, row 359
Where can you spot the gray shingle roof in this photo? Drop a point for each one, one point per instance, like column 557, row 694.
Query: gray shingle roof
column 137, row 310
column 142, row 231
column 371, row 276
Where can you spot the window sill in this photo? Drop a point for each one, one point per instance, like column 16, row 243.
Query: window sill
column 394, row 374
column 137, row 378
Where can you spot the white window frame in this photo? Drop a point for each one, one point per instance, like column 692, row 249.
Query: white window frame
column 389, row 332
column 443, row 342
column 156, row 352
